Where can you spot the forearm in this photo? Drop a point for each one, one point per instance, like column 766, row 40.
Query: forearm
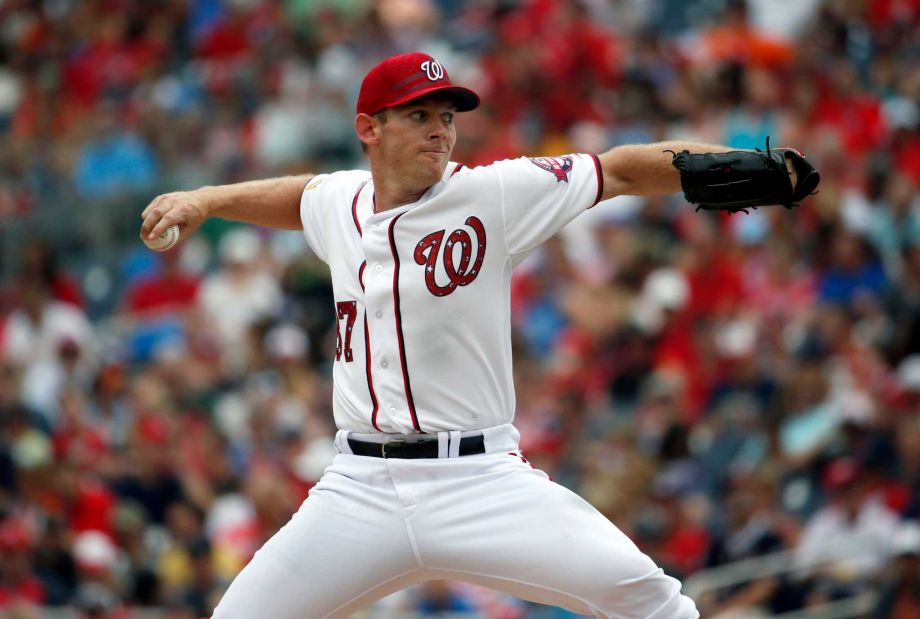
column 645, row 169
column 273, row 203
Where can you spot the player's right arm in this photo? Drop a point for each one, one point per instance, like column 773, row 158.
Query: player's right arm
column 273, row 203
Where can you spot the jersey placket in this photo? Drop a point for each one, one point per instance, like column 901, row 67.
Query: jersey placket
column 381, row 290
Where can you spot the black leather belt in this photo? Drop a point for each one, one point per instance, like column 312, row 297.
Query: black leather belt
column 424, row 448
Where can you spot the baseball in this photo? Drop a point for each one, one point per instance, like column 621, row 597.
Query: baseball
column 165, row 241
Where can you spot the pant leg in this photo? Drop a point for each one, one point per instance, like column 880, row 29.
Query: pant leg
column 345, row 547
column 508, row 527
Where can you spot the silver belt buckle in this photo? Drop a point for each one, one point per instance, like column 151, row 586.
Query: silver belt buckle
column 383, row 446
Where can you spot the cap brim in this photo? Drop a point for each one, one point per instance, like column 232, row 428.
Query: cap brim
column 464, row 98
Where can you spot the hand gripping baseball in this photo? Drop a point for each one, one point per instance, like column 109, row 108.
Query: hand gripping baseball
column 185, row 209
column 738, row 180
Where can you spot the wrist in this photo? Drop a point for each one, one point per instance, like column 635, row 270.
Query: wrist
column 206, row 200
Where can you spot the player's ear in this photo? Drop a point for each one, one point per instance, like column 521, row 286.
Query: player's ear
column 367, row 129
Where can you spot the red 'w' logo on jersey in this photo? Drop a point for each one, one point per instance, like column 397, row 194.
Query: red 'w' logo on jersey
column 459, row 273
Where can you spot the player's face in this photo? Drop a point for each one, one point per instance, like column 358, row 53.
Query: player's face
column 418, row 138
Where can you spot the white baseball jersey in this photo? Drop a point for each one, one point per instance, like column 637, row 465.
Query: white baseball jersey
column 422, row 291
column 422, row 298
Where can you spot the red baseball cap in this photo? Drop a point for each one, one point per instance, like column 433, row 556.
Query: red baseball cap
column 400, row 79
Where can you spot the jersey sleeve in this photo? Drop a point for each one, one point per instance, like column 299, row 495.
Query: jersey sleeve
column 311, row 215
column 540, row 195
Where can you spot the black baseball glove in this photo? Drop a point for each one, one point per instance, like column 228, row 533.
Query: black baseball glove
column 740, row 179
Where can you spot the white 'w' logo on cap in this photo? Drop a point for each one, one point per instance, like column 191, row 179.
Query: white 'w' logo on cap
column 433, row 70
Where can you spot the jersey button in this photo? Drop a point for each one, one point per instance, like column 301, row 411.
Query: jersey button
column 378, row 267
column 384, row 363
column 378, row 314
column 392, row 410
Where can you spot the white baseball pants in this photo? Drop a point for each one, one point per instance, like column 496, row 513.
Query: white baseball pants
column 373, row 526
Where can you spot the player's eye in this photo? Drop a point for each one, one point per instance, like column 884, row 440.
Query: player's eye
column 447, row 118
column 419, row 115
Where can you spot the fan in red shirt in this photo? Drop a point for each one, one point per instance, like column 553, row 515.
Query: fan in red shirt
column 168, row 291
column 17, row 582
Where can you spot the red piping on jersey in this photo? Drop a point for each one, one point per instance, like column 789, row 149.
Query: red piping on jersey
column 457, row 169
column 369, row 373
column 354, row 208
column 600, row 179
column 399, row 333
column 367, row 353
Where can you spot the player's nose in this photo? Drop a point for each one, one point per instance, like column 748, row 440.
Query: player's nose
column 438, row 130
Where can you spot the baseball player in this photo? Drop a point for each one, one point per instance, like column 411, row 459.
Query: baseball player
column 429, row 481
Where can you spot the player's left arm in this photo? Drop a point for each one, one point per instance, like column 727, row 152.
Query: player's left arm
column 648, row 169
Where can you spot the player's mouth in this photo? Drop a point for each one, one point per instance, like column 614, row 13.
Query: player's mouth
column 436, row 155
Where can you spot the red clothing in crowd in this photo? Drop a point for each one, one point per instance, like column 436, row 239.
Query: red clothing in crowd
column 716, row 288
column 858, row 120
column 92, row 508
column 162, row 294
column 28, row 589
column 907, row 155
column 16, row 585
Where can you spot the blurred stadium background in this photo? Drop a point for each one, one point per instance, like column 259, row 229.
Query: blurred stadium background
column 741, row 394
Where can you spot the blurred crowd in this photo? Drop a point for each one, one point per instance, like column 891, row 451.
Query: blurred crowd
column 721, row 387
